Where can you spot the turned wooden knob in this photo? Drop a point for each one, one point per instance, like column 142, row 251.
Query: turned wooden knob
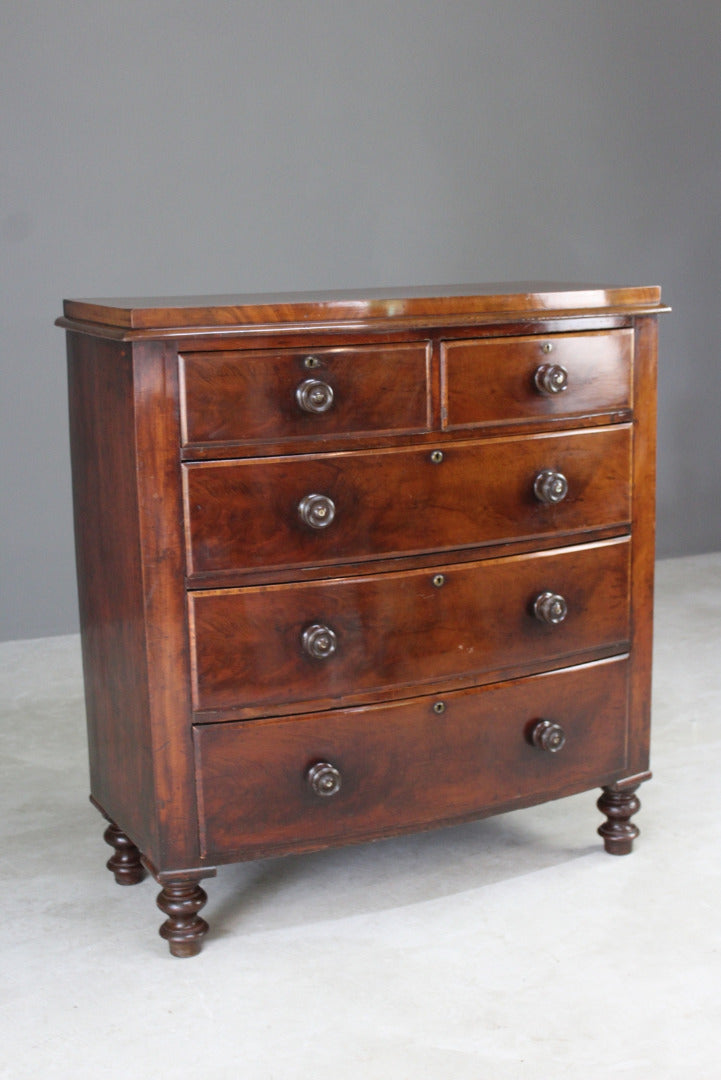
column 316, row 511
column 319, row 641
column 550, row 608
column 314, row 396
column 324, row 779
column 551, row 379
column 546, row 735
column 550, row 487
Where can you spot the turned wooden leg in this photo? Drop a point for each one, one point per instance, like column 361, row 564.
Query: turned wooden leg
column 125, row 862
column 619, row 805
column 181, row 900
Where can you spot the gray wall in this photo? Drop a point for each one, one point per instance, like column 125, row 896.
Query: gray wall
column 171, row 147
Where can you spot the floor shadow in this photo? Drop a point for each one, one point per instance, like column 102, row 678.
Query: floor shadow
column 360, row 879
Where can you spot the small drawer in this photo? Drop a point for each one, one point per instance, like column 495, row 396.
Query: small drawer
column 526, row 379
column 324, row 509
column 339, row 641
column 278, row 785
column 290, row 394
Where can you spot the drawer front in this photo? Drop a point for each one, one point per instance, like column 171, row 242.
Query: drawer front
column 523, row 379
column 255, row 514
column 332, row 640
column 407, row 764
column 262, row 396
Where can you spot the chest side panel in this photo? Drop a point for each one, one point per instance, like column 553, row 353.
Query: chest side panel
column 110, row 583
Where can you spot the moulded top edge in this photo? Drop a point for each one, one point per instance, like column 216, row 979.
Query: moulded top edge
column 163, row 313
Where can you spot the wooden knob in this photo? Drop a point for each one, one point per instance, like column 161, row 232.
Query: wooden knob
column 319, row 641
column 324, row 779
column 548, row 736
column 550, row 487
column 551, row 379
column 314, row 396
column 316, row 511
column 550, row 608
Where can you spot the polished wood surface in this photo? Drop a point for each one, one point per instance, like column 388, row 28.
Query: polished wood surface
column 450, row 301
column 402, row 501
column 124, row 863
column 403, row 629
column 406, row 766
column 351, row 564
column 484, row 382
column 110, row 586
column 252, row 396
column 619, row 804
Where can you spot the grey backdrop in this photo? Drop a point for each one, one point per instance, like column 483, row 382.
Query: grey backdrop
column 167, row 146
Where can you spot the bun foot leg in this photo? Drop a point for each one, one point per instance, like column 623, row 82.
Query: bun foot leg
column 619, row 805
column 125, row 862
column 183, row 929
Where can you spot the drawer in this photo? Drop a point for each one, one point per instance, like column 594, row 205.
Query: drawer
column 407, row 764
column 315, row 510
column 286, row 394
column 524, row 379
column 327, row 641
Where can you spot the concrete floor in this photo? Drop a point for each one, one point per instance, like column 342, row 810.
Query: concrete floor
column 509, row 948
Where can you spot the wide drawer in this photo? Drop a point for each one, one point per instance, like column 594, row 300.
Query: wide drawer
column 250, row 513
column 525, row 379
column 326, row 641
column 407, row 764
column 285, row 394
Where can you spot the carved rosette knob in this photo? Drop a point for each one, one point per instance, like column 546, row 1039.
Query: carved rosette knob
column 319, row 641
column 316, row 511
column 314, row 396
column 550, row 487
column 550, row 608
column 324, row 779
column 551, row 379
column 546, row 735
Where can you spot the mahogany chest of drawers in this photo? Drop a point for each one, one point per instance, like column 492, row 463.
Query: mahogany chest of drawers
column 351, row 565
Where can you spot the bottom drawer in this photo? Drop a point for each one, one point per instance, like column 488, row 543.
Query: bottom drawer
column 408, row 764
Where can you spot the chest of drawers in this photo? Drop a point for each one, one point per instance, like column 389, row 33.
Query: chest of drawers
column 351, row 565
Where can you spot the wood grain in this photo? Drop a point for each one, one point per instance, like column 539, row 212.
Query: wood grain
column 490, row 381
column 404, row 766
column 401, row 629
column 251, row 396
column 367, row 305
column 244, row 514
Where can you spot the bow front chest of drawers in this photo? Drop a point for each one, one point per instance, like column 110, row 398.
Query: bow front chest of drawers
column 352, row 565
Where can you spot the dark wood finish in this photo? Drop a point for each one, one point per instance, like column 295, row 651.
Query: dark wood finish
column 406, row 766
column 421, row 304
column 460, row 624
column 124, row 433
column 160, row 536
column 402, row 629
column 643, row 543
column 110, row 584
column 619, row 804
column 125, row 862
column 252, row 397
column 184, row 930
column 488, row 381
column 245, row 514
